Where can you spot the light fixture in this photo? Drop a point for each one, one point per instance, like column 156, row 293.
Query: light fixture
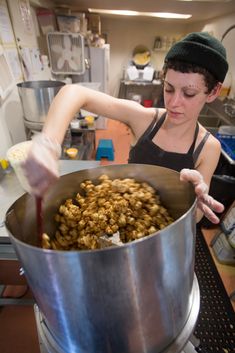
column 137, row 13
column 206, row 0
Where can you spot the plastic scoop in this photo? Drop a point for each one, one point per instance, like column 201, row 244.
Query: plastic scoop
column 16, row 155
column 106, row 241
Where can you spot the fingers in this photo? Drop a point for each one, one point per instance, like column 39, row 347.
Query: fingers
column 40, row 173
column 209, row 214
column 41, row 188
column 205, row 202
column 41, row 183
column 212, row 203
column 201, row 189
column 207, row 205
column 191, row 175
column 196, row 179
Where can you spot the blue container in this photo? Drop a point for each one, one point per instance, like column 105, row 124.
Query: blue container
column 227, row 143
column 105, row 150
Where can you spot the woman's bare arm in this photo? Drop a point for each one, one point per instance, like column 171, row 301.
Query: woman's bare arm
column 71, row 98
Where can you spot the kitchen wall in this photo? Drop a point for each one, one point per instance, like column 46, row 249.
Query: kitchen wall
column 24, row 27
column 218, row 27
column 125, row 34
column 11, row 122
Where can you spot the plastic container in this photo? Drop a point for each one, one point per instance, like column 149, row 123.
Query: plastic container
column 226, row 130
column 148, row 103
column 16, row 155
column 90, row 120
column 47, row 21
column 228, row 144
column 68, row 23
column 72, row 152
column 75, row 124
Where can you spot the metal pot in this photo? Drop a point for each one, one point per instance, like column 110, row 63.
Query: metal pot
column 36, row 98
column 134, row 298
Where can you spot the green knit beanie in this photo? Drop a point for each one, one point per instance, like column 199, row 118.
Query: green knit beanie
column 203, row 50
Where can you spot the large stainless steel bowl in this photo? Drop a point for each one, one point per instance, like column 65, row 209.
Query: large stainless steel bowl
column 36, row 98
column 135, row 298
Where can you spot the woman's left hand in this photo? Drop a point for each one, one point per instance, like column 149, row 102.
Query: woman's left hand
column 205, row 202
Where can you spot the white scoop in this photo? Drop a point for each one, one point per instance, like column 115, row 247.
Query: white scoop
column 16, row 155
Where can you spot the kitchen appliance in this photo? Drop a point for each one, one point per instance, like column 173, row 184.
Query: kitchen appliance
column 96, row 75
column 134, row 298
column 223, row 243
column 66, row 53
column 36, row 97
column 140, row 69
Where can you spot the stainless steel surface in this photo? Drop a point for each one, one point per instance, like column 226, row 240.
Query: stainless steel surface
column 11, row 190
column 184, row 340
column 33, row 126
column 134, row 298
column 186, row 335
column 36, row 97
column 217, row 108
column 212, row 117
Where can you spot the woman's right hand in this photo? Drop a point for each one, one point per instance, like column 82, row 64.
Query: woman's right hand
column 41, row 166
column 206, row 203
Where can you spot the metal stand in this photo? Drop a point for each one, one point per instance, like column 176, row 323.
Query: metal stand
column 185, row 342
column 31, row 127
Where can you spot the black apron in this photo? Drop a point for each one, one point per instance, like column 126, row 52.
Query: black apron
column 146, row 151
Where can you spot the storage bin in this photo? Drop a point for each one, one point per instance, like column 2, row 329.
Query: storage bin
column 68, row 23
column 227, row 143
column 47, row 21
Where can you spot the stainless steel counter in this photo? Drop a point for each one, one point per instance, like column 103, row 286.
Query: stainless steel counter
column 11, row 190
column 217, row 107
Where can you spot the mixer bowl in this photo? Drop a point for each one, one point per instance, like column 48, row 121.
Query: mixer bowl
column 36, row 98
column 133, row 298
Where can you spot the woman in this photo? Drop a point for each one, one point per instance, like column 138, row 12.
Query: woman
column 194, row 70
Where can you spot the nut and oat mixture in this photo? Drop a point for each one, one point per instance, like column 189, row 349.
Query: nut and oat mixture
column 131, row 208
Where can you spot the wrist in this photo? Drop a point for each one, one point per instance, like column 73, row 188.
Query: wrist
column 51, row 144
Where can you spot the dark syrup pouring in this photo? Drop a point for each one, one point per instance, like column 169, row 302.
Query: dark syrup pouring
column 39, row 219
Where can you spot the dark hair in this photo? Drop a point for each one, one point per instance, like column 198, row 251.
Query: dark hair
column 185, row 67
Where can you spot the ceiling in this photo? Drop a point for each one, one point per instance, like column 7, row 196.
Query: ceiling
column 200, row 9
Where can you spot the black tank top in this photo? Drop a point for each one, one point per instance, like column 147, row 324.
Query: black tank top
column 146, row 151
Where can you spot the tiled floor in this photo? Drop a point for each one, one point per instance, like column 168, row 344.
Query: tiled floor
column 121, row 137
column 18, row 333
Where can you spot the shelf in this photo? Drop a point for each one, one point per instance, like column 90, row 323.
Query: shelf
column 160, row 50
column 142, row 83
column 90, row 129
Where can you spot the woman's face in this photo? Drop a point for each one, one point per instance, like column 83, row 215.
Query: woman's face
column 184, row 95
